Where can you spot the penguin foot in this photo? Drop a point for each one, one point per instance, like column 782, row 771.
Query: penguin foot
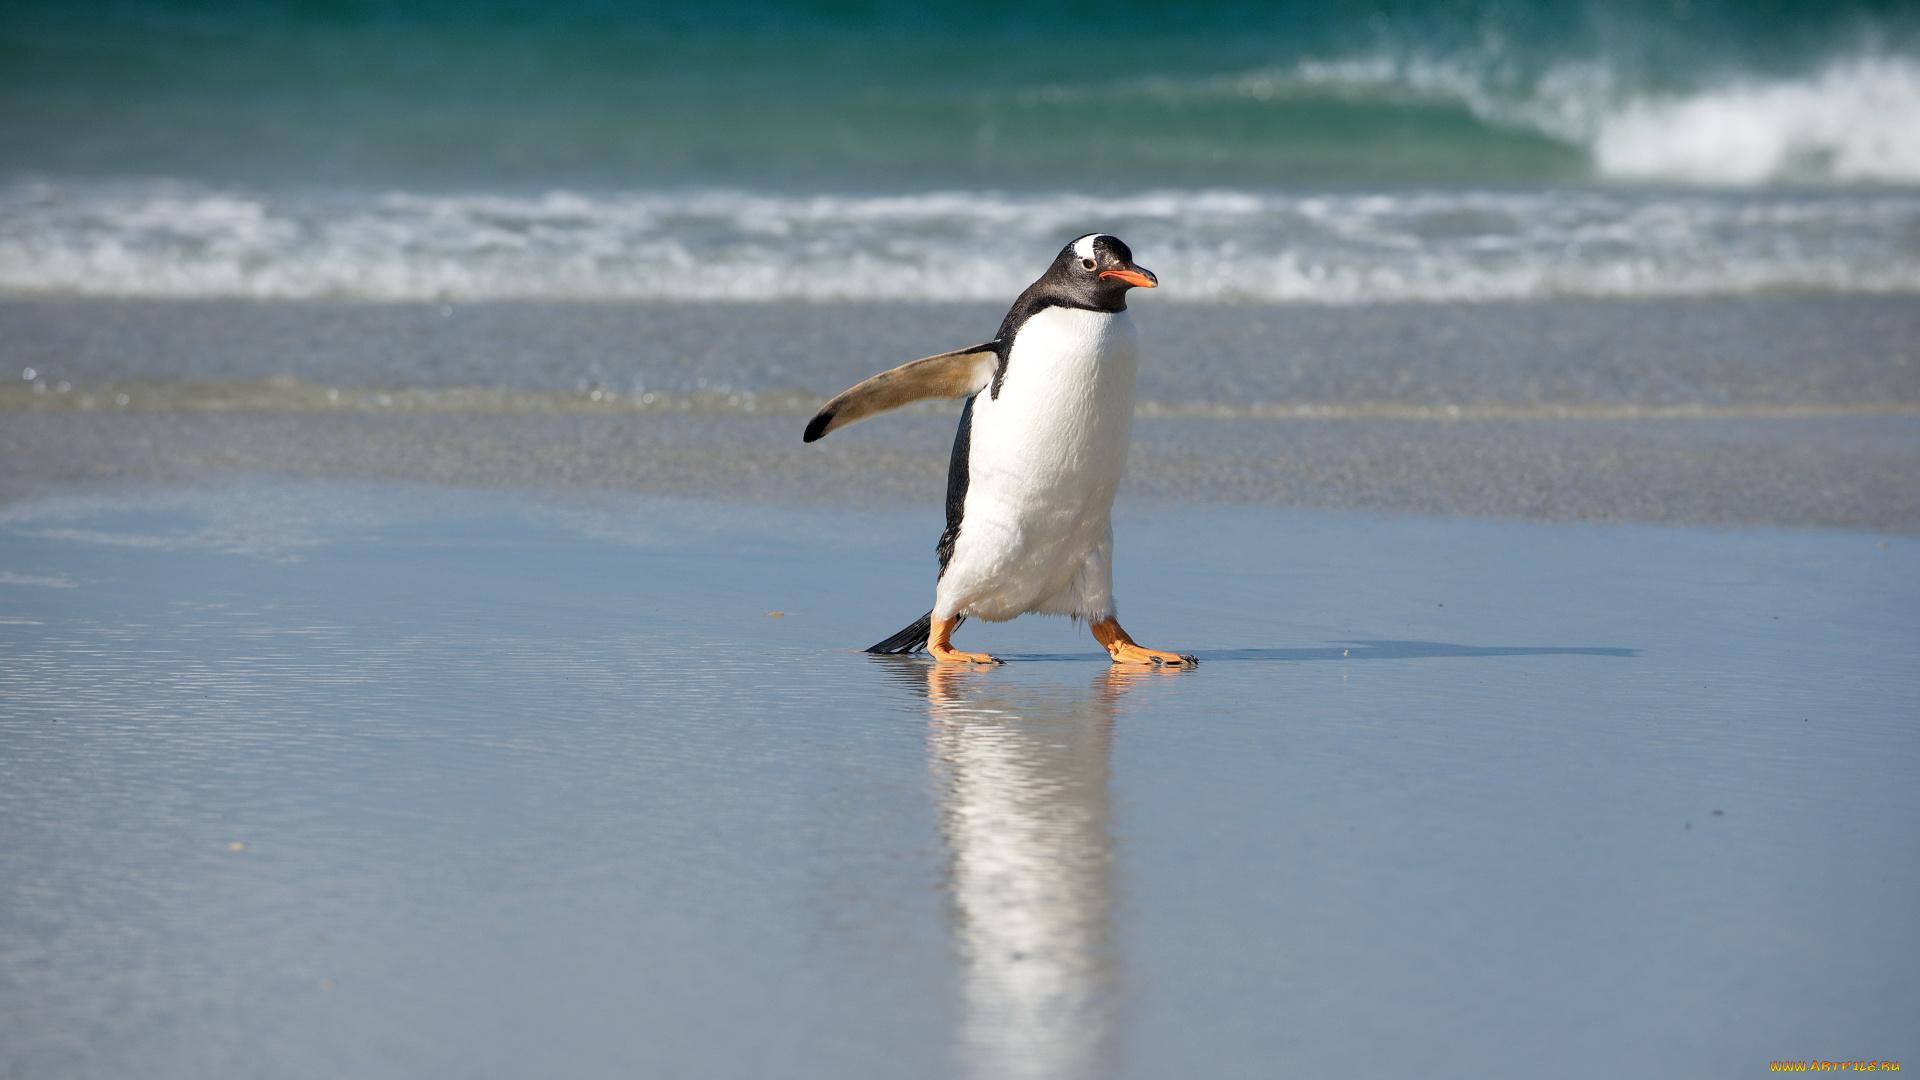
column 1125, row 650
column 947, row 654
column 939, row 645
column 1136, row 654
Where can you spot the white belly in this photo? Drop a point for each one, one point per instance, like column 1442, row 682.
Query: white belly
column 1044, row 463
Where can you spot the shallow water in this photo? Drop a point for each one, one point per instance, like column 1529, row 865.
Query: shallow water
column 525, row 785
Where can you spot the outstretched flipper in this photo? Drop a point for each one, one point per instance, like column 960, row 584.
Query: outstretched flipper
column 958, row 374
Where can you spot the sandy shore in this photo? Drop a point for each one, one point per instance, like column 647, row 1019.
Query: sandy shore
column 381, row 703
column 1714, row 351
column 1801, row 411
column 1852, row 472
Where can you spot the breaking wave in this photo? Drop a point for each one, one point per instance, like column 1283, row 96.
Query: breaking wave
column 1855, row 120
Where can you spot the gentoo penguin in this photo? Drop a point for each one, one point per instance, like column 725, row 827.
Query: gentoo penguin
column 1037, row 459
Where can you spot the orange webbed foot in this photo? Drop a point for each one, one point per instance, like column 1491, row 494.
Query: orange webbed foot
column 949, row 655
column 1125, row 650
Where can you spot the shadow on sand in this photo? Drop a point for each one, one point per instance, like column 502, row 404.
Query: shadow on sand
column 1364, row 649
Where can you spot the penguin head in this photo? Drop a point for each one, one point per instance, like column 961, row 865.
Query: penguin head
column 1098, row 269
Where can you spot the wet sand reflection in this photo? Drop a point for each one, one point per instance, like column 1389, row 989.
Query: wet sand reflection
column 1026, row 814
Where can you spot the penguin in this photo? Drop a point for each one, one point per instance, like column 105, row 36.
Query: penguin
column 1037, row 458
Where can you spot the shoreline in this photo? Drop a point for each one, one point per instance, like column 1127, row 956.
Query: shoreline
column 285, row 394
column 1749, row 350
column 1849, row 472
column 1776, row 411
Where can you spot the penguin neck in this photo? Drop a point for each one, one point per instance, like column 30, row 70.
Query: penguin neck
column 1035, row 300
column 1038, row 297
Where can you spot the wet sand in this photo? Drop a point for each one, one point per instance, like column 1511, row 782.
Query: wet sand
column 376, row 780
column 511, row 732
column 1848, row 472
column 1713, row 351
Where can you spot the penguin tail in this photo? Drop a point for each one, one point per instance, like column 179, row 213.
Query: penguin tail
column 912, row 639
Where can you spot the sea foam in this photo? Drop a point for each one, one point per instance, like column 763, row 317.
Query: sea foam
column 165, row 240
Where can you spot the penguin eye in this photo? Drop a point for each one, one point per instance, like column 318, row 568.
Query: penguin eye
column 1088, row 264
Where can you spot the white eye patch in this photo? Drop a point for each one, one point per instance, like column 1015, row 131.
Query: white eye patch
column 1083, row 247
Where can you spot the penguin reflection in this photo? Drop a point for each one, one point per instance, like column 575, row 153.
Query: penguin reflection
column 1025, row 813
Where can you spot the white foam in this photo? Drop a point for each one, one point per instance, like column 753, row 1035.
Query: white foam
column 1856, row 121
column 158, row 240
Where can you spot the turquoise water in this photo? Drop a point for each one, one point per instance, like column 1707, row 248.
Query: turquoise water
column 1328, row 153
column 1109, row 96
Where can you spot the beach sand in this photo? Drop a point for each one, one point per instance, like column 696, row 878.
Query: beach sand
column 509, row 732
column 1799, row 411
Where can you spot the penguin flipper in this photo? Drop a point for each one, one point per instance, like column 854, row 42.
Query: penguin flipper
column 958, row 374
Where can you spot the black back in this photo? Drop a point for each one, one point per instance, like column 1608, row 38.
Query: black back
column 957, row 477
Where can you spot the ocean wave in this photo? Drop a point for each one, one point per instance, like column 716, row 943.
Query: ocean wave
column 1857, row 121
column 586, row 93
column 1854, row 120
column 168, row 240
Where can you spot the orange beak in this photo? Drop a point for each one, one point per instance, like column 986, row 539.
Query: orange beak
column 1133, row 277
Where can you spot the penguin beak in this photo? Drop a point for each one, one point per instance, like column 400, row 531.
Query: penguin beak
column 1136, row 276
